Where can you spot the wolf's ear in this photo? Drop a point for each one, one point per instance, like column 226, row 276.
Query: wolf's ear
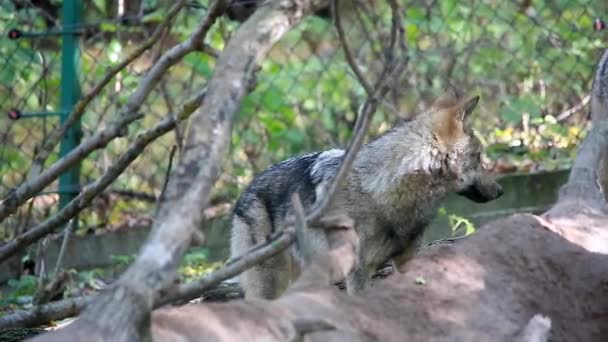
column 467, row 109
column 448, row 99
column 452, row 122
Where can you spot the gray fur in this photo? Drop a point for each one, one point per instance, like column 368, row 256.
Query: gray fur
column 392, row 192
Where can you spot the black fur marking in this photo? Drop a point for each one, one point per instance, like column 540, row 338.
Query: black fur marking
column 274, row 187
column 474, row 193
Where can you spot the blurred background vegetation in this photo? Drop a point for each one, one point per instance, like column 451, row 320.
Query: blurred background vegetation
column 531, row 61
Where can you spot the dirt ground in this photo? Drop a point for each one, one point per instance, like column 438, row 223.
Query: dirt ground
column 486, row 289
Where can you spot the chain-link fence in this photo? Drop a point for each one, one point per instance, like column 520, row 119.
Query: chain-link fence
column 531, row 61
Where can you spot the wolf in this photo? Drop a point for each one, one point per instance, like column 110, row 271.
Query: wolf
column 392, row 192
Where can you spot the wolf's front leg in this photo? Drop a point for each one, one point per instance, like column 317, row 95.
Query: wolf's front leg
column 269, row 279
column 358, row 280
column 402, row 260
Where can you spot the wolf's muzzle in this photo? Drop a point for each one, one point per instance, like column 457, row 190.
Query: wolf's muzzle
column 481, row 193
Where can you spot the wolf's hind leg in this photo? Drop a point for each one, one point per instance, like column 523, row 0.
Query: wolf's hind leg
column 267, row 280
column 270, row 278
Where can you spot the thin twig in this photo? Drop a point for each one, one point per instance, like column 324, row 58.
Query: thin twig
column 40, row 263
column 209, row 50
column 194, row 289
column 134, row 195
column 348, row 54
column 44, row 313
column 179, row 137
column 167, row 175
column 57, row 310
column 64, row 245
column 91, row 191
column 565, row 114
column 366, row 32
column 81, row 105
column 392, row 69
column 26, row 220
column 300, row 227
column 128, row 114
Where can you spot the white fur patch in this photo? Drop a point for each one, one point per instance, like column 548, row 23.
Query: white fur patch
column 324, row 168
column 324, row 159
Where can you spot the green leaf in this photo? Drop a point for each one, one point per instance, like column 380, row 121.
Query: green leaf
column 273, row 99
column 24, row 286
column 108, row 27
column 12, row 159
column 200, row 64
column 7, row 75
column 511, row 115
column 294, row 136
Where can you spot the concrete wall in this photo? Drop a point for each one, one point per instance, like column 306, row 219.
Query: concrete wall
column 533, row 193
column 523, row 193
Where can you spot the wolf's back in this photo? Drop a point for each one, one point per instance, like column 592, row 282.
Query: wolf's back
column 273, row 188
column 261, row 209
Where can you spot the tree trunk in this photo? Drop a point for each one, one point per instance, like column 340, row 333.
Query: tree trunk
column 122, row 313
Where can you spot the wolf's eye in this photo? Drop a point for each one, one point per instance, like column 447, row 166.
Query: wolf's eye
column 478, row 156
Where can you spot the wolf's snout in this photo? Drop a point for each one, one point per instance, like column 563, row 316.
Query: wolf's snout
column 499, row 191
column 482, row 191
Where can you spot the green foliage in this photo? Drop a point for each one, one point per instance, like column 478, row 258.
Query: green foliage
column 460, row 225
column 196, row 264
column 123, row 260
column 24, row 286
column 529, row 65
column 20, row 292
column 515, row 107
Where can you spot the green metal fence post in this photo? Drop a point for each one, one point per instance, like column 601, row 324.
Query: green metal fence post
column 69, row 182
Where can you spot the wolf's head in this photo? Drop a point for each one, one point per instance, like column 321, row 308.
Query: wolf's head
column 452, row 131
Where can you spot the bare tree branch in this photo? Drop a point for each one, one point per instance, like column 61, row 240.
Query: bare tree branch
column 553, row 274
column 44, row 313
column 79, row 108
column 348, row 54
column 91, row 191
column 566, row 114
column 64, row 246
column 194, row 289
column 58, row 310
column 391, row 71
column 284, row 238
column 300, row 226
column 161, row 197
column 190, row 184
column 121, row 313
column 118, row 127
column 134, row 195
